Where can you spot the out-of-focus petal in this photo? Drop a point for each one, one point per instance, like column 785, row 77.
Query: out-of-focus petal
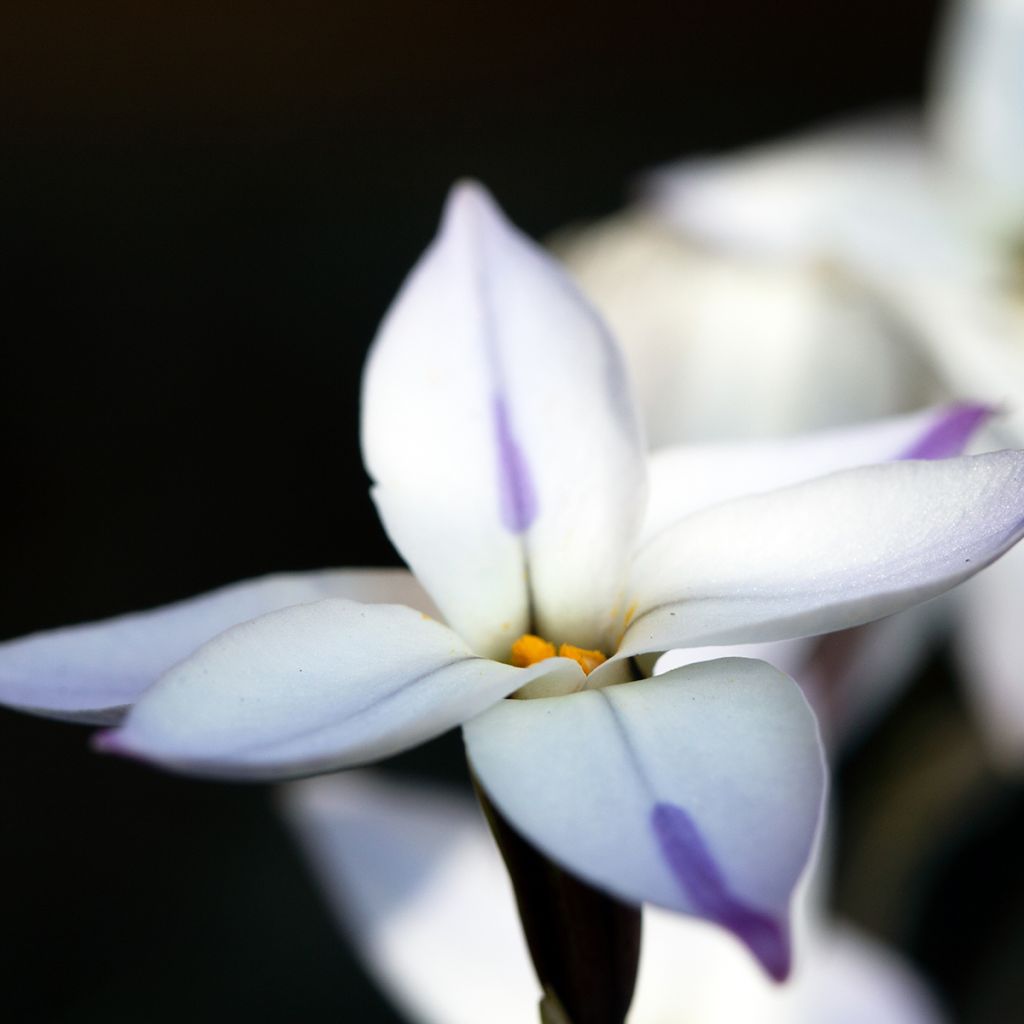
column 869, row 196
column 990, row 647
column 823, row 555
column 501, row 437
column 686, row 478
column 793, row 346
column 417, row 883
column 974, row 338
column 314, row 688
column 691, row 971
column 853, row 980
column 699, row 790
column 95, row 672
column 977, row 102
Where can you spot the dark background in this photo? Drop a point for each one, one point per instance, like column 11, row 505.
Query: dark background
column 206, row 208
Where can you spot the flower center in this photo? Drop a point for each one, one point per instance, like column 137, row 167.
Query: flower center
column 530, row 649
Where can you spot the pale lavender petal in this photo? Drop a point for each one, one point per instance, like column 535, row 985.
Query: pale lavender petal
column 824, row 555
column 94, row 672
column 314, row 688
column 699, row 790
column 687, row 478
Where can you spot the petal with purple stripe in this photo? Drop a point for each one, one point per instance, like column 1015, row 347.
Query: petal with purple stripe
column 827, row 554
column 687, row 478
column 499, row 431
column 699, row 790
column 949, row 433
column 693, row 864
column 518, row 500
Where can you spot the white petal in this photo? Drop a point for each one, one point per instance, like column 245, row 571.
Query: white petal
column 690, row 971
column 852, row 980
column 990, row 647
column 417, row 882
column 977, row 105
column 687, row 478
column 972, row 337
column 824, row 555
column 722, row 347
column 699, row 790
column 313, row 688
column 94, row 672
column 869, row 195
column 500, row 435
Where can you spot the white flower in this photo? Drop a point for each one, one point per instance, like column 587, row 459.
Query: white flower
column 867, row 267
column 509, row 471
column 419, row 887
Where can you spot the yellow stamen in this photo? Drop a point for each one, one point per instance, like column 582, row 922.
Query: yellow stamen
column 587, row 660
column 530, row 649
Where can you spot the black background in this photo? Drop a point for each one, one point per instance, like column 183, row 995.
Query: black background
column 206, row 208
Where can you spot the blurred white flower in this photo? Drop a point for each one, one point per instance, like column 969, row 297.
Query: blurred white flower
column 857, row 270
column 418, row 886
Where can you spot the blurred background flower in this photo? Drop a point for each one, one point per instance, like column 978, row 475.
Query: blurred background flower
column 418, row 885
column 205, row 211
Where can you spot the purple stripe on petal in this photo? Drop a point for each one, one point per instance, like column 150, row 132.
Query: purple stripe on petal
column 949, row 433
column 693, row 865
column 518, row 499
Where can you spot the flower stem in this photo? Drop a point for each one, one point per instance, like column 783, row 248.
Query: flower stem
column 585, row 944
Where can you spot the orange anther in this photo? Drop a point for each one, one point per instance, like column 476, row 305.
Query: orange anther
column 587, row 660
column 530, row 649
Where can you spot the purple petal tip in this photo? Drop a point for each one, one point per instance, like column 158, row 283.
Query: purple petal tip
column 110, row 741
column 949, row 433
column 701, row 878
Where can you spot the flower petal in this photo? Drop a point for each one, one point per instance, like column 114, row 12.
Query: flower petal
column 501, row 438
column 417, row 882
column 780, row 199
column 687, row 478
column 699, row 790
column 854, row 979
column 972, row 338
column 793, row 347
column 95, row 672
column 826, row 554
column 869, row 195
column 976, row 109
column 314, row 688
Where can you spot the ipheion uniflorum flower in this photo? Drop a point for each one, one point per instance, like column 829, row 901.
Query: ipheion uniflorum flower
column 510, row 473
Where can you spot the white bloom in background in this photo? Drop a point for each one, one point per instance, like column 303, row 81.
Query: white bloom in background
column 419, row 888
column 509, row 471
column 868, row 267
column 725, row 345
